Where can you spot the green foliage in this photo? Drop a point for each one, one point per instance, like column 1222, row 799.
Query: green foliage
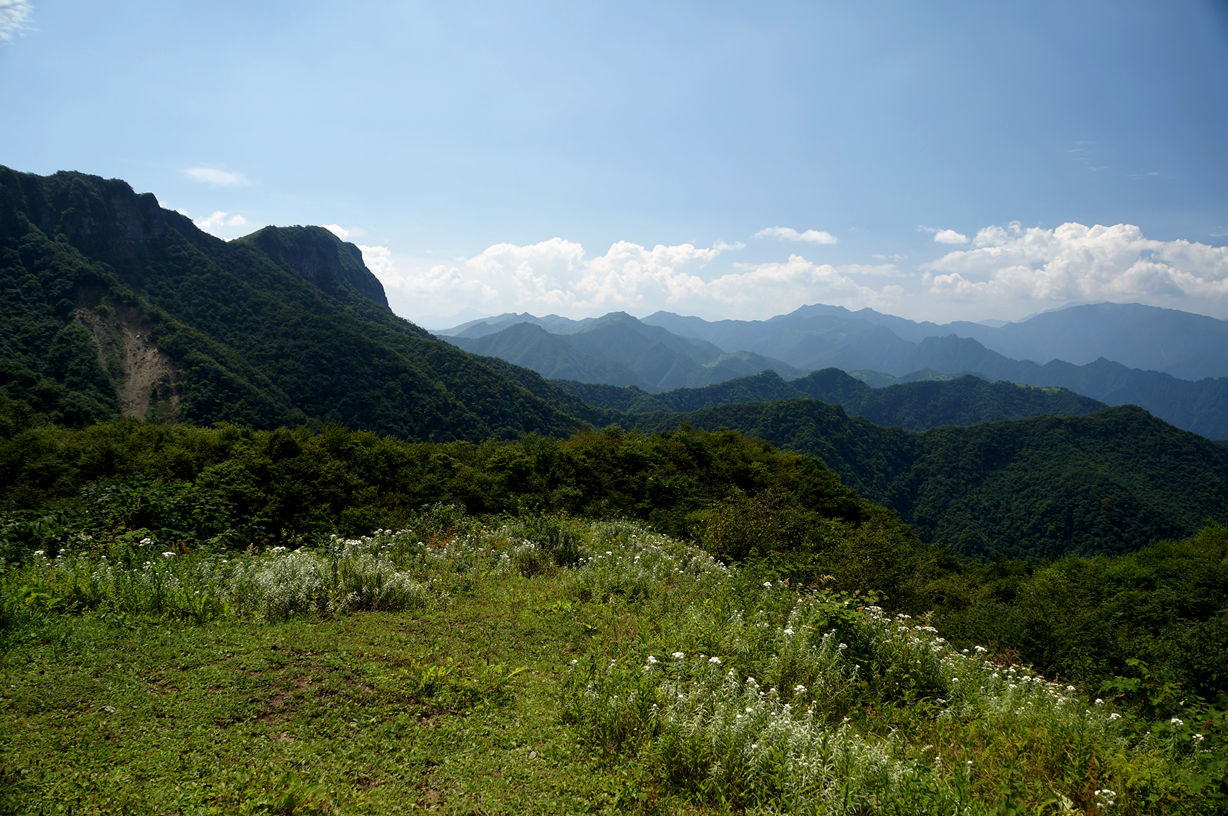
column 1154, row 618
column 1107, row 482
column 754, row 698
column 243, row 486
column 915, row 406
column 692, row 686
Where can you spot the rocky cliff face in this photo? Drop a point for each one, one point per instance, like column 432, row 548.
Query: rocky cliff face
column 322, row 259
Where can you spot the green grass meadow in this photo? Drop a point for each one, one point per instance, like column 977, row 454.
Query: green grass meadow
column 533, row 666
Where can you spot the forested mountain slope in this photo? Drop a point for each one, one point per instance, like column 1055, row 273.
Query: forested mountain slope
column 110, row 302
column 1109, row 481
column 1201, row 407
column 915, row 406
column 112, row 305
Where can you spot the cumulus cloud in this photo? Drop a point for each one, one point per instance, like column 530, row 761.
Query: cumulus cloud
column 1002, row 271
column 221, row 224
column 13, row 16
column 212, row 175
column 945, row 236
column 810, row 236
column 1078, row 263
column 339, row 231
column 559, row 276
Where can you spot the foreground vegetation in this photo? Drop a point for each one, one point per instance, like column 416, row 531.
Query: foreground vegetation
column 1157, row 617
column 536, row 665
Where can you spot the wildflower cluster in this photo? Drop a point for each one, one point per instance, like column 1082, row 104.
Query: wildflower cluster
column 731, row 739
column 627, row 561
column 787, row 704
column 344, row 576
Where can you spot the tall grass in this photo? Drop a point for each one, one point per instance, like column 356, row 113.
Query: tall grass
column 736, row 692
column 386, row 571
column 757, row 696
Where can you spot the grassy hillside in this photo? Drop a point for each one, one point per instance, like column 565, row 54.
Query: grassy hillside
column 227, row 489
column 537, row 666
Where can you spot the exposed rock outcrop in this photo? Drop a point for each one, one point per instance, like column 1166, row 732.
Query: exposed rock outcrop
column 145, row 373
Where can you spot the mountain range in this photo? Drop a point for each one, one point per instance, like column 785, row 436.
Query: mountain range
column 615, row 349
column 111, row 306
column 1187, row 346
column 882, row 349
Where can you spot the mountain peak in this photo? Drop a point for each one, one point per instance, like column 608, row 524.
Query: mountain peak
column 322, row 259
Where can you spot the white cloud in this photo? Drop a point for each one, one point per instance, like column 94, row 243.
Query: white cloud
column 13, row 16
column 212, row 175
column 1035, row 267
column 1003, row 271
column 559, row 276
column 221, row 224
column 950, row 236
column 810, row 236
column 945, row 236
column 340, row 232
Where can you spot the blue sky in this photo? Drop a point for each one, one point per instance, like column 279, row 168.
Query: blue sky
column 934, row 160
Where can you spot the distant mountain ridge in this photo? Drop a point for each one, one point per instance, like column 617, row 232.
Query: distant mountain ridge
column 1149, row 338
column 819, row 337
column 616, row 349
column 916, row 406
